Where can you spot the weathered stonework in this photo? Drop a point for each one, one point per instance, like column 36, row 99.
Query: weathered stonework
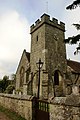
column 47, row 43
column 20, row 104
column 47, row 38
column 60, row 108
column 22, row 72
column 59, row 77
column 65, row 108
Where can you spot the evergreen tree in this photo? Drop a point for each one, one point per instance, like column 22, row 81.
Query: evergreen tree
column 4, row 83
column 74, row 39
column 75, row 4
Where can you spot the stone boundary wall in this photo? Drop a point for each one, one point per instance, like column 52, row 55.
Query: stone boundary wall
column 60, row 108
column 18, row 103
column 65, row 108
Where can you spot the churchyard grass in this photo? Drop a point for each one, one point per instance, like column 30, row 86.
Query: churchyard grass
column 11, row 114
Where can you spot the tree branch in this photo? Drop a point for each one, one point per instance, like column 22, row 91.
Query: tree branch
column 73, row 40
column 77, row 26
column 75, row 4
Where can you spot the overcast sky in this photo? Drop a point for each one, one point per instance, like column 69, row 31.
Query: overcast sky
column 16, row 17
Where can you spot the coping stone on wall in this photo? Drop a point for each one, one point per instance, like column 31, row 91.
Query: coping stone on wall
column 58, row 100
column 20, row 97
column 69, row 100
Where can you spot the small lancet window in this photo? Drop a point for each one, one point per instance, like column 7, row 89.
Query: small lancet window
column 56, row 78
column 37, row 37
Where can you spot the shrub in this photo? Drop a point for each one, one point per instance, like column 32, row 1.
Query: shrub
column 10, row 89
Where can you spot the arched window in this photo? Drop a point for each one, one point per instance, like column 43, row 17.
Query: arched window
column 22, row 76
column 56, row 78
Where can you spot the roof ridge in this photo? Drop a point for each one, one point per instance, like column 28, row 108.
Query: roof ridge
column 73, row 61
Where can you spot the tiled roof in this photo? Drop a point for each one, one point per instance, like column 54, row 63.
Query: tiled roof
column 74, row 65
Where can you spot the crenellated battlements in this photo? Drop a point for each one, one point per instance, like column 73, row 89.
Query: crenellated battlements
column 46, row 19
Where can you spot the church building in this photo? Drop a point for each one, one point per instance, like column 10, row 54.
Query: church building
column 45, row 72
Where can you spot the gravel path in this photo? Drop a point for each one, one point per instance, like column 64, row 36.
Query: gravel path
column 3, row 116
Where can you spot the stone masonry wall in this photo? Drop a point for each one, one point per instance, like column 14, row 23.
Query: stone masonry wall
column 60, row 108
column 47, row 43
column 24, row 63
column 65, row 108
column 21, row 105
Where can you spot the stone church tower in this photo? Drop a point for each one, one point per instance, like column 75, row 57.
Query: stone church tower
column 58, row 75
column 47, row 43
